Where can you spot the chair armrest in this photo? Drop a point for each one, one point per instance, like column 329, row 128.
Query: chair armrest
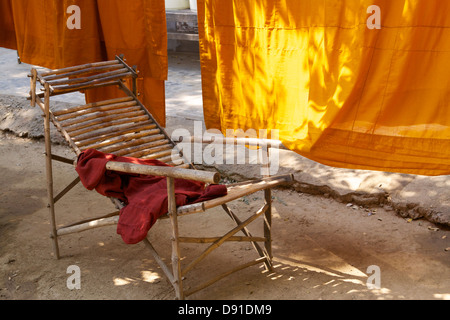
column 187, row 174
column 269, row 143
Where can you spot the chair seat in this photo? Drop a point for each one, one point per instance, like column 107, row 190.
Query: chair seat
column 235, row 191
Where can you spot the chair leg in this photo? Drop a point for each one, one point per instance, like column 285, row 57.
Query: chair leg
column 49, row 170
column 262, row 252
column 268, row 227
column 176, row 261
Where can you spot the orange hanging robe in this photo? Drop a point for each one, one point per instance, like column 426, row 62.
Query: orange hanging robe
column 137, row 29
column 360, row 84
column 7, row 31
column 44, row 38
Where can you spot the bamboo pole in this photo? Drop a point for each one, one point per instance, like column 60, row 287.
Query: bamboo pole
column 109, row 215
column 188, row 174
column 161, row 263
column 223, row 275
column 133, row 70
column 190, row 209
column 176, row 261
column 256, row 142
column 218, row 243
column 62, row 159
column 33, row 79
column 67, row 189
column 268, row 227
column 214, row 239
column 58, row 126
column 243, row 190
column 256, row 246
column 88, row 226
column 49, row 170
column 268, row 215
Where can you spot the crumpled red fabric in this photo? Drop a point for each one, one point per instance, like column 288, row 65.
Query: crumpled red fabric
column 145, row 196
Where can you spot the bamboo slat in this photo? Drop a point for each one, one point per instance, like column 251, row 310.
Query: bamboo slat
column 77, row 87
column 173, row 160
column 108, row 132
column 107, row 119
column 130, row 142
column 153, row 156
column 75, row 68
column 81, row 71
column 151, row 153
column 123, row 120
column 167, row 159
column 86, row 79
column 116, row 135
column 155, row 133
column 92, row 105
column 94, row 86
column 152, row 145
column 94, row 109
column 96, row 115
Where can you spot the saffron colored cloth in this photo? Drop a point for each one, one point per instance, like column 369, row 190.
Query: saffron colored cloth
column 145, row 196
column 360, row 84
column 43, row 34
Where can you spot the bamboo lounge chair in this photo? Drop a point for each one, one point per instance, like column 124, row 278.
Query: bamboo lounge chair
column 125, row 127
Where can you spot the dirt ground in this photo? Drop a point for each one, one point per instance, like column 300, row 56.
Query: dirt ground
column 322, row 248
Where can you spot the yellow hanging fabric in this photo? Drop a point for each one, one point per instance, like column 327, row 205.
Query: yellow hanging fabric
column 361, row 84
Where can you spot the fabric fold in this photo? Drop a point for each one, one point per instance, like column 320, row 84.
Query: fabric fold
column 145, row 197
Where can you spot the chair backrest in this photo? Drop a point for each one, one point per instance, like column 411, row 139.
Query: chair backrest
column 121, row 126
